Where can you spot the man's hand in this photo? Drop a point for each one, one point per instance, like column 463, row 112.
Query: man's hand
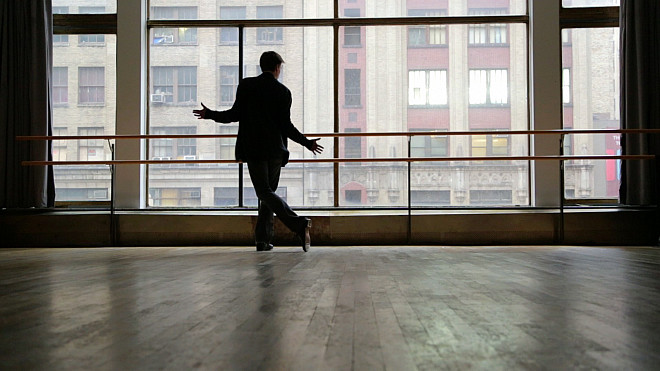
column 315, row 147
column 201, row 113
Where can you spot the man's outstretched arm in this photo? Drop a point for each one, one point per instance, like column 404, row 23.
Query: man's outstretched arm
column 294, row 134
column 230, row 115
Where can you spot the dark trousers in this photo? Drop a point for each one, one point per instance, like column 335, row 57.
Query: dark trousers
column 265, row 177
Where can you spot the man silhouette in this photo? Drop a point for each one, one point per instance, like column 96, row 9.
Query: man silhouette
column 263, row 111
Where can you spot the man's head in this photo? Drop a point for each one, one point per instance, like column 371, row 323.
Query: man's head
column 271, row 62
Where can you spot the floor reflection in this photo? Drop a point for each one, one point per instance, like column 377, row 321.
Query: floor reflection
column 333, row 308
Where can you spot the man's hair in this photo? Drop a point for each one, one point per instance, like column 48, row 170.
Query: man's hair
column 269, row 61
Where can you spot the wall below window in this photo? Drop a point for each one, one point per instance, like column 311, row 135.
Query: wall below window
column 341, row 228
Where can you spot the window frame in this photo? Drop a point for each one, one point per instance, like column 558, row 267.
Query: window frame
column 427, row 88
column 489, row 29
column 488, row 88
column 60, row 86
column 232, row 32
column 428, row 147
column 353, row 90
column 89, row 85
column 177, row 86
column 277, row 33
column 88, row 144
column 426, row 30
column 565, row 17
column 489, row 148
column 353, row 144
column 177, row 37
column 179, row 147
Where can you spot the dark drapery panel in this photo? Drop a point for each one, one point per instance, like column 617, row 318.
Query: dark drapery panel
column 25, row 104
column 640, row 99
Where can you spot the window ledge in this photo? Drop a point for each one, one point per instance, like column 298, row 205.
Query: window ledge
column 426, row 106
column 489, row 105
column 429, row 46
column 489, row 45
column 91, row 104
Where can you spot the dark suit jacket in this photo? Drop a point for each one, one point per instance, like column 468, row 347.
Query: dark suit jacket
column 263, row 111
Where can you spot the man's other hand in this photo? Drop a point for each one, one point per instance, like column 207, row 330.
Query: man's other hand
column 201, row 113
column 315, row 147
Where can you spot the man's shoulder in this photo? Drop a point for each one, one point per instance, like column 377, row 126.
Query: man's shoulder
column 249, row 80
column 264, row 82
column 282, row 87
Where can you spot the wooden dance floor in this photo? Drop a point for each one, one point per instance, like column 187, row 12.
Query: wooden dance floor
column 361, row 308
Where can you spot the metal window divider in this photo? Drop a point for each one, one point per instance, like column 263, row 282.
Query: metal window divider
column 241, row 199
column 561, row 189
column 114, row 232
column 409, row 229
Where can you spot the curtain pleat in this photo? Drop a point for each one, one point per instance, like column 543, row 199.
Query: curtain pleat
column 640, row 99
column 25, row 106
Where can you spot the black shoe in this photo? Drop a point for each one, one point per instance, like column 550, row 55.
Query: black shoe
column 262, row 246
column 305, row 239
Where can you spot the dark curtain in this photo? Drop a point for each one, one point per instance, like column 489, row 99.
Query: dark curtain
column 640, row 99
column 25, row 105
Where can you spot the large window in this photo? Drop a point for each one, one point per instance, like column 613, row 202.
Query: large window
column 590, row 81
column 182, row 77
column 392, row 78
column 84, row 103
column 445, row 89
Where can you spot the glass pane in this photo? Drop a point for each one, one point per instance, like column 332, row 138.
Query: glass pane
column 591, row 101
column 428, row 8
column 397, row 86
column 254, row 9
column 180, row 80
column 589, row 3
column 84, row 6
column 84, row 96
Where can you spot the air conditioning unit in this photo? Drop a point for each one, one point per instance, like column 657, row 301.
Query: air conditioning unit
column 157, row 98
column 169, row 39
column 161, row 158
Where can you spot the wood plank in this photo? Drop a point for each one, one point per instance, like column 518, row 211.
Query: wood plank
column 413, row 307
